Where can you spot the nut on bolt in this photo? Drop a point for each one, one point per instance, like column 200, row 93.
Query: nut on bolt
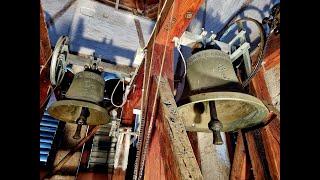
column 216, row 126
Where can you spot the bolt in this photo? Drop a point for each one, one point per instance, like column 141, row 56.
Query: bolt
column 167, row 102
column 188, row 15
column 77, row 135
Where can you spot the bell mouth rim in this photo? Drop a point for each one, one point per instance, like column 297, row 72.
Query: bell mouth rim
column 90, row 105
column 231, row 96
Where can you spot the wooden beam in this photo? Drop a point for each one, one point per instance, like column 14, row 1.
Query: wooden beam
column 156, row 44
column 118, row 174
column 183, row 11
column 70, row 168
column 133, row 99
column 272, row 151
column 193, row 138
column 45, row 53
column 274, row 128
column 155, row 164
column 179, row 156
column 240, row 168
column 257, row 155
column 93, row 176
column 264, row 143
column 45, row 46
column 272, row 60
column 159, row 49
column 272, row 54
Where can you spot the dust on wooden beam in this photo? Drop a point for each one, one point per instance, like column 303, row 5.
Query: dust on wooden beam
column 184, row 158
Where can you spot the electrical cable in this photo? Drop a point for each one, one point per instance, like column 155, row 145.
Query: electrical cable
column 145, row 148
column 124, row 98
column 183, row 60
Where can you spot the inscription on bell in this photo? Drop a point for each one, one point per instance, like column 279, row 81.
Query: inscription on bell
column 87, row 86
column 222, row 70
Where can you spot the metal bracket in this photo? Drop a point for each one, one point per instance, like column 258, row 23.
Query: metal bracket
column 122, row 150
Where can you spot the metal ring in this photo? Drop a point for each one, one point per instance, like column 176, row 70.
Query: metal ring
column 59, row 61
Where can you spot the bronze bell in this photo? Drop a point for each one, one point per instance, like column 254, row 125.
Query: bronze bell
column 82, row 99
column 213, row 93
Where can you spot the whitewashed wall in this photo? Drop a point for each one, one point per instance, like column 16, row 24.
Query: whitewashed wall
column 96, row 28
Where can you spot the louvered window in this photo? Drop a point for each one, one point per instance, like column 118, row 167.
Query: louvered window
column 48, row 130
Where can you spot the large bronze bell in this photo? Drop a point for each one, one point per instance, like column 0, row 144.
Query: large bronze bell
column 81, row 105
column 213, row 99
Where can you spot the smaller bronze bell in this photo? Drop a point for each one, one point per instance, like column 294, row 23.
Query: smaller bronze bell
column 81, row 103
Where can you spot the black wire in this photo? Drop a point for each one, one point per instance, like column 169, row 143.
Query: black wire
column 261, row 49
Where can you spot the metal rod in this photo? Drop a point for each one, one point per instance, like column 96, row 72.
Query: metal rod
column 215, row 125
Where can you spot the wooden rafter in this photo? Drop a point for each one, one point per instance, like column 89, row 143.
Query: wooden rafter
column 173, row 20
column 45, row 53
column 264, row 143
column 180, row 161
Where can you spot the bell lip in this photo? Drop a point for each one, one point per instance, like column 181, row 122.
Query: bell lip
column 218, row 96
column 102, row 110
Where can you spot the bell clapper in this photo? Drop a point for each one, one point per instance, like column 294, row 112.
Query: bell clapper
column 215, row 125
column 81, row 121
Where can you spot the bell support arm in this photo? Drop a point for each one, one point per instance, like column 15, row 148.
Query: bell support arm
column 123, row 70
column 189, row 39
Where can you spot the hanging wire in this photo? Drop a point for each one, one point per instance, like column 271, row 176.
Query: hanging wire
column 156, row 95
column 124, row 98
column 178, row 46
column 48, row 59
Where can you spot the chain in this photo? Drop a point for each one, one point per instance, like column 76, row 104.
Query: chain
column 259, row 61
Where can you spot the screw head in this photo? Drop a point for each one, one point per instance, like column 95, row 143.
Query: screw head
column 188, row 15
